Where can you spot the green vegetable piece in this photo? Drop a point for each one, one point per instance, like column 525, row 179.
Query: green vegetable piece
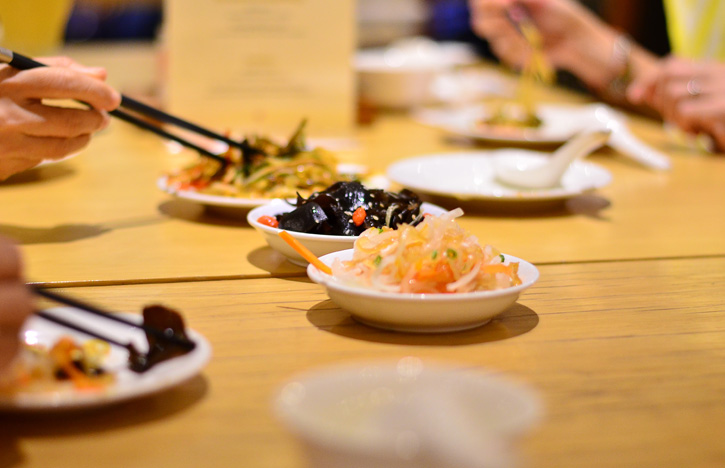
column 450, row 253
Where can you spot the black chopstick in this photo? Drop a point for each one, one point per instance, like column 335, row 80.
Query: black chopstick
column 159, row 334
column 161, row 132
column 22, row 62
column 67, row 324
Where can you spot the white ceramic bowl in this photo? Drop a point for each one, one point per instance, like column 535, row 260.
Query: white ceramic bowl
column 406, row 414
column 403, row 75
column 421, row 313
column 319, row 244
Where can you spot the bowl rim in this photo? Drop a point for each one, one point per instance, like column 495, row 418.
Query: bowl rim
column 330, row 282
column 263, row 210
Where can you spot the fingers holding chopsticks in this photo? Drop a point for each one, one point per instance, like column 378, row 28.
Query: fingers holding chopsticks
column 31, row 130
column 64, row 79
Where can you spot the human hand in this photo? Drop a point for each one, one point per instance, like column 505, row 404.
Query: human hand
column 563, row 25
column 16, row 303
column 31, row 131
column 689, row 94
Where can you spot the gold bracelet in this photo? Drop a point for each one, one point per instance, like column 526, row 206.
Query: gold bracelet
column 621, row 58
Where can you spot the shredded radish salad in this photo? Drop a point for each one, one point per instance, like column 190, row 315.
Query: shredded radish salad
column 436, row 256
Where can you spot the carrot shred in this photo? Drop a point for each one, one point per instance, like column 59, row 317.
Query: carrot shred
column 305, row 252
column 358, row 217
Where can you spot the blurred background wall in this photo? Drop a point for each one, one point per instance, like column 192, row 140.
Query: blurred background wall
column 380, row 21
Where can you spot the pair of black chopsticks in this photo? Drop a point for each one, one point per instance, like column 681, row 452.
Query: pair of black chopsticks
column 22, row 62
column 166, row 336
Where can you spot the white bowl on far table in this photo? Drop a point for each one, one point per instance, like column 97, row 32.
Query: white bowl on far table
column 407, row 414
column 403, row 74
column 318, row 244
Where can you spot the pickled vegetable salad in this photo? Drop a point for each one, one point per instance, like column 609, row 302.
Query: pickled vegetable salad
column 436, row 256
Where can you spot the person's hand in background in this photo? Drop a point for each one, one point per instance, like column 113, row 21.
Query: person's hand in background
column 16, row 302
column 573, row 39
column 689, row 94
column 31, row 131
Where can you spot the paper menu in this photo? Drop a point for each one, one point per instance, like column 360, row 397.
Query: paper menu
column 262, row 65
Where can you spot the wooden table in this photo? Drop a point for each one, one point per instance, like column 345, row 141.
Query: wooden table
column 623, row 336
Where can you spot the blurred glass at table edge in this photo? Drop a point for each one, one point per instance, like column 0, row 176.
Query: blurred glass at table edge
column 33, row 27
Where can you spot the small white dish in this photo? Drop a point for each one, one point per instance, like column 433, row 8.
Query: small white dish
column 127, row 385
column 239, row 206
column 421, row 313
column 407, row 414
column 318, row 244
column 472, row 176
column 217, row 201
column 559, row 123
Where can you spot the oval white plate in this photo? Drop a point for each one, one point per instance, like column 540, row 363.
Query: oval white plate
column 421, row 313
column 128, row 384
column 470, row 176
column 235, row 204
column 559, row 123
column 319, row 244
column 209, row 200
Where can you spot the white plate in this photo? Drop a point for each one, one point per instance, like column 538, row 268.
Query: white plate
column 128, row 384
column 470, row 176
column 319, row 244
column 235, row 205
column 209, row 200
column 559, row 123
column 421, row 313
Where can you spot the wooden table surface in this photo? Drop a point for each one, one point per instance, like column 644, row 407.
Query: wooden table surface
column 623, row 336
column 628, row 358
column 99, row 217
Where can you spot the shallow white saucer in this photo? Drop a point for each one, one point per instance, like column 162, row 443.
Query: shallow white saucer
column 471, row 176
column 127, row 385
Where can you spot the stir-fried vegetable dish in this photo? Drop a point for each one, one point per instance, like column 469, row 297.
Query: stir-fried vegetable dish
column 262, row 169
column 436, row 256
column 348, row 209
column 79, row 364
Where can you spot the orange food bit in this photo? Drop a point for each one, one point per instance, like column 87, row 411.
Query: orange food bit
column 358, row 217
column 304, row 252
column 268, row 221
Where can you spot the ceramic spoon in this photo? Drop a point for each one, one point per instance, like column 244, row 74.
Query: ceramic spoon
column 546, row 173
column 625, row 142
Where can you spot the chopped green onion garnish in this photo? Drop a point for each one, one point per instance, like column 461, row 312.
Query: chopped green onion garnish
column 377, row 260
column 450, row 253
column 435, row 254
column 502, row 259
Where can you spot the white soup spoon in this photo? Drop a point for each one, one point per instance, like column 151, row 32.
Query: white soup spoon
column 540, row 173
